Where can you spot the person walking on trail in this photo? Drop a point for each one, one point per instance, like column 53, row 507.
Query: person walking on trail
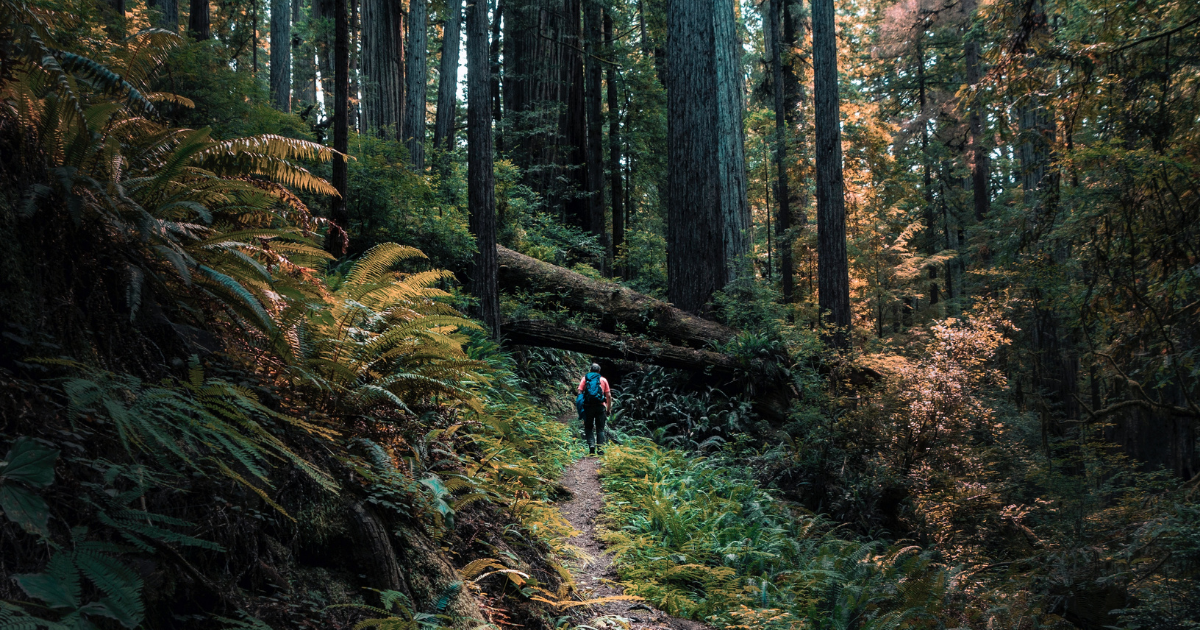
column 594, row 403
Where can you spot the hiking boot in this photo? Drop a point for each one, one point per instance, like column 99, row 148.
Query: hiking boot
column 591, row 450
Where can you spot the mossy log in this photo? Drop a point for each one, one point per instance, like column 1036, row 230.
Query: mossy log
column 619, row 308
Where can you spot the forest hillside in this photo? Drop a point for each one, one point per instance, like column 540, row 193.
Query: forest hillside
column 897, row 303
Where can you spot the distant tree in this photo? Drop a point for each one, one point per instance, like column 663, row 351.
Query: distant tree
column 481, row 179
column 199, row 22
column 415, row 72
column 614, row 150
column 833, row 271
column 281, row 54
column 337, row 240
column 447, row 99
column 593, row 75
column 383, row 90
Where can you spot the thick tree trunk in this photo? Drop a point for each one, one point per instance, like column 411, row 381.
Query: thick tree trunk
column 707, row 215
column 614, row 153
column 354, row 115
column 414, row 116
column 833, row 271
column 619, row 308
column 592, row 28
column 481, row 180
column 979, row 157
column 198, row 20
column 281, row 54
column 337, row 240
column 383, row 91
column 447, row 103
column 573, row 120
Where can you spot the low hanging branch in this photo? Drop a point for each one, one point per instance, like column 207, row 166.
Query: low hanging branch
column 636, row 313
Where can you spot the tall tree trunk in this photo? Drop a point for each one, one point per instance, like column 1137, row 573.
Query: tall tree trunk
column 338, row 240
column 707, row 214
column 355, row 59
column 775, row 14
column 614, row 152
column 979, row 157
column 833, row 271
column 447, row 103
column 497, row 112
column 383, row 92
column 414, row 116
column 281, row 54
column 573, row 121
column 481, row 180
column 592, row 28
column 198, row 20
column 304, row 71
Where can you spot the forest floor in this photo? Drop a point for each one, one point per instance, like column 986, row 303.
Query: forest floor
column 594, row 573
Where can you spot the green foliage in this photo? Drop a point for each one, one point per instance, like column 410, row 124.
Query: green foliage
column 701, row 539
column 28, row 464
column 660, row 405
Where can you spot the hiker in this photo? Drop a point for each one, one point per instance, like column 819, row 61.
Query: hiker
column 593, row 403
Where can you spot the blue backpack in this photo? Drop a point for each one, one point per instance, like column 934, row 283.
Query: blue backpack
column 593, row 393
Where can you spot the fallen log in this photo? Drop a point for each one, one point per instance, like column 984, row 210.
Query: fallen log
column 619, row 308
column 597, row 343
column 770, row 395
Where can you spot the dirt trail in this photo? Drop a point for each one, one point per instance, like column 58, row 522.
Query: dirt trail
column 594, row 578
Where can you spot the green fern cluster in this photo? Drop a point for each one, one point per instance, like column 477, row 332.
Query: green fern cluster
column 699, row 540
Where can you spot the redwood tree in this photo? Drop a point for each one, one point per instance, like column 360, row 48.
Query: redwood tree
column 833, row 271
column 447, row 99
column 281, row 54
column 414, row 115
column 707, row 213
column 383, row 89
column 199, row 20
column 337, row 239
column 481, row 180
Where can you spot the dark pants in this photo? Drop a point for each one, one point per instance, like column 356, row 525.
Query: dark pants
column 593, row 425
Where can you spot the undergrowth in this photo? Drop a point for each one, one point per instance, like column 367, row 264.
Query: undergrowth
column 700, row 539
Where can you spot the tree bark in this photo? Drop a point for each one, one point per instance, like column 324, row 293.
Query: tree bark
column 304, row 73
column 198, row 20
column 414, row 116
column 481, row 180
column 383, row 91
column 614, row 153
column 592, row 28
column 373, row 550
column 707, row 214
column 281, row 54
column 833, row 272
column 447, row 103
column 619, row 308
column 337, row 240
